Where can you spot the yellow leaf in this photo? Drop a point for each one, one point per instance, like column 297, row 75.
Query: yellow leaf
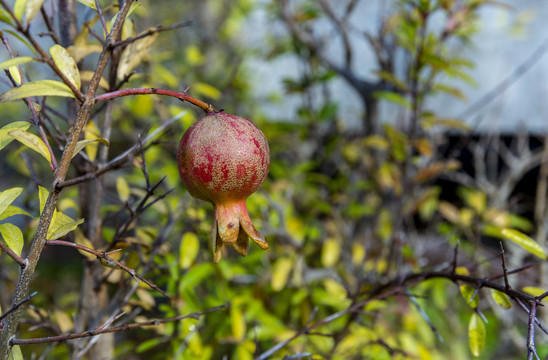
column 87, row 75
column 133, row 55
column 476, row 334
column 280, row 273
column 501, row 299
column 237, row 322
column 533, row 290
column 147, row 300
column 37, row 88
column 5, row 138
column 32, row 8
column 15, row 353
column 43, row 194
column 63, row 321
column 190, row 245
column 194, row 56
column 31, row 141
column 89, row 3
column 80, row 239
column 13, row 237
column 467, row 292
column 123, row 189
column 331, row 250
column 358, row 253
column 525, row 242
column 66, row 64
column 7, row 197
column 15, row 74
column 19, row 9
column 83, row 143
column 207, row 90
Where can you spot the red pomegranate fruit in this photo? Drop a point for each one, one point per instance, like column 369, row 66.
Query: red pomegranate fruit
column 223, row 159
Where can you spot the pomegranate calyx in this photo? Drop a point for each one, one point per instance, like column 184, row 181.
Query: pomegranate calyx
column 232, row 226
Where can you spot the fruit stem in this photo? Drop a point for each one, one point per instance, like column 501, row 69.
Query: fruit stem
column 208, row 108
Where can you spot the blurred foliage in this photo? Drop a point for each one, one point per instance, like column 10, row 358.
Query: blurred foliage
column 346, row 210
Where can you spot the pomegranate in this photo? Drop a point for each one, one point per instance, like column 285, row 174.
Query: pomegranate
column 223, row 159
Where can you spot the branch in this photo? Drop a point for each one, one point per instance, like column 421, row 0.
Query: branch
column 108, row 261
column 16, row 306
column 18, row 259
column 101, row 330
column 150, row 32
column 151, row 91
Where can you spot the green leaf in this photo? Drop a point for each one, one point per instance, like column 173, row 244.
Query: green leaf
column 476, row 334
column 31, row 141
column 88, row 3
column 7, row 197
column 11, row 211
column 61, row 225
column 393, row 98
column 32, row 8
column 83, row 143
column 533, row 290
column 13, row 237
column 22, row 39
column 467, row 292
column 19, row 9
column 525, row 242
column 5, row 138
column 207, row 90
column 66, row 64
column 190, row 246
column 37, row 88
column 237, row 322
column 501, row 298
column 15, row 353
column 280, row 273
column 5, row 17
column 15, row 61
column 43, row 194
column 123, row 189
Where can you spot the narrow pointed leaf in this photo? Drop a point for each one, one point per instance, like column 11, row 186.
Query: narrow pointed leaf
column 467, row 292
column 15, row 61
column 32, row 141
column 37, row 88
column 83, row 143
column 476, row 334
column 66, row 64
column 19, row 8
column 13, row 237
column 190, row 246
column 32, row 8
column 43, row 194
column 5, row 138
column 64, row 229
column 501, row 299
column 89, row 3
column 7, row 197
column 15, row 74
column 525, row 242
column 11, row 211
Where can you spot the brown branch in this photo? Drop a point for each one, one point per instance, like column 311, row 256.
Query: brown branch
column 150, row 32
column 107, row 260
column 16, row 306
column 153, row 91
column 18, row 259
column 101, row 330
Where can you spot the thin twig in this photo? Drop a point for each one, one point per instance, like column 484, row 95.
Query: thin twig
column 504, row 268
column 101, row 16
column 16, row 306
column 18, row 259
column 107, row 260
column 150, row 32
column 101, row 330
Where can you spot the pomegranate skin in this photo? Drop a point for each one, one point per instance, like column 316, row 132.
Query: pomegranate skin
column 223, row 159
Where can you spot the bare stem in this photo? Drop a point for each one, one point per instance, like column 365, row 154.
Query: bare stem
column 102, row 330
column 18, row 259
column 153, row 91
